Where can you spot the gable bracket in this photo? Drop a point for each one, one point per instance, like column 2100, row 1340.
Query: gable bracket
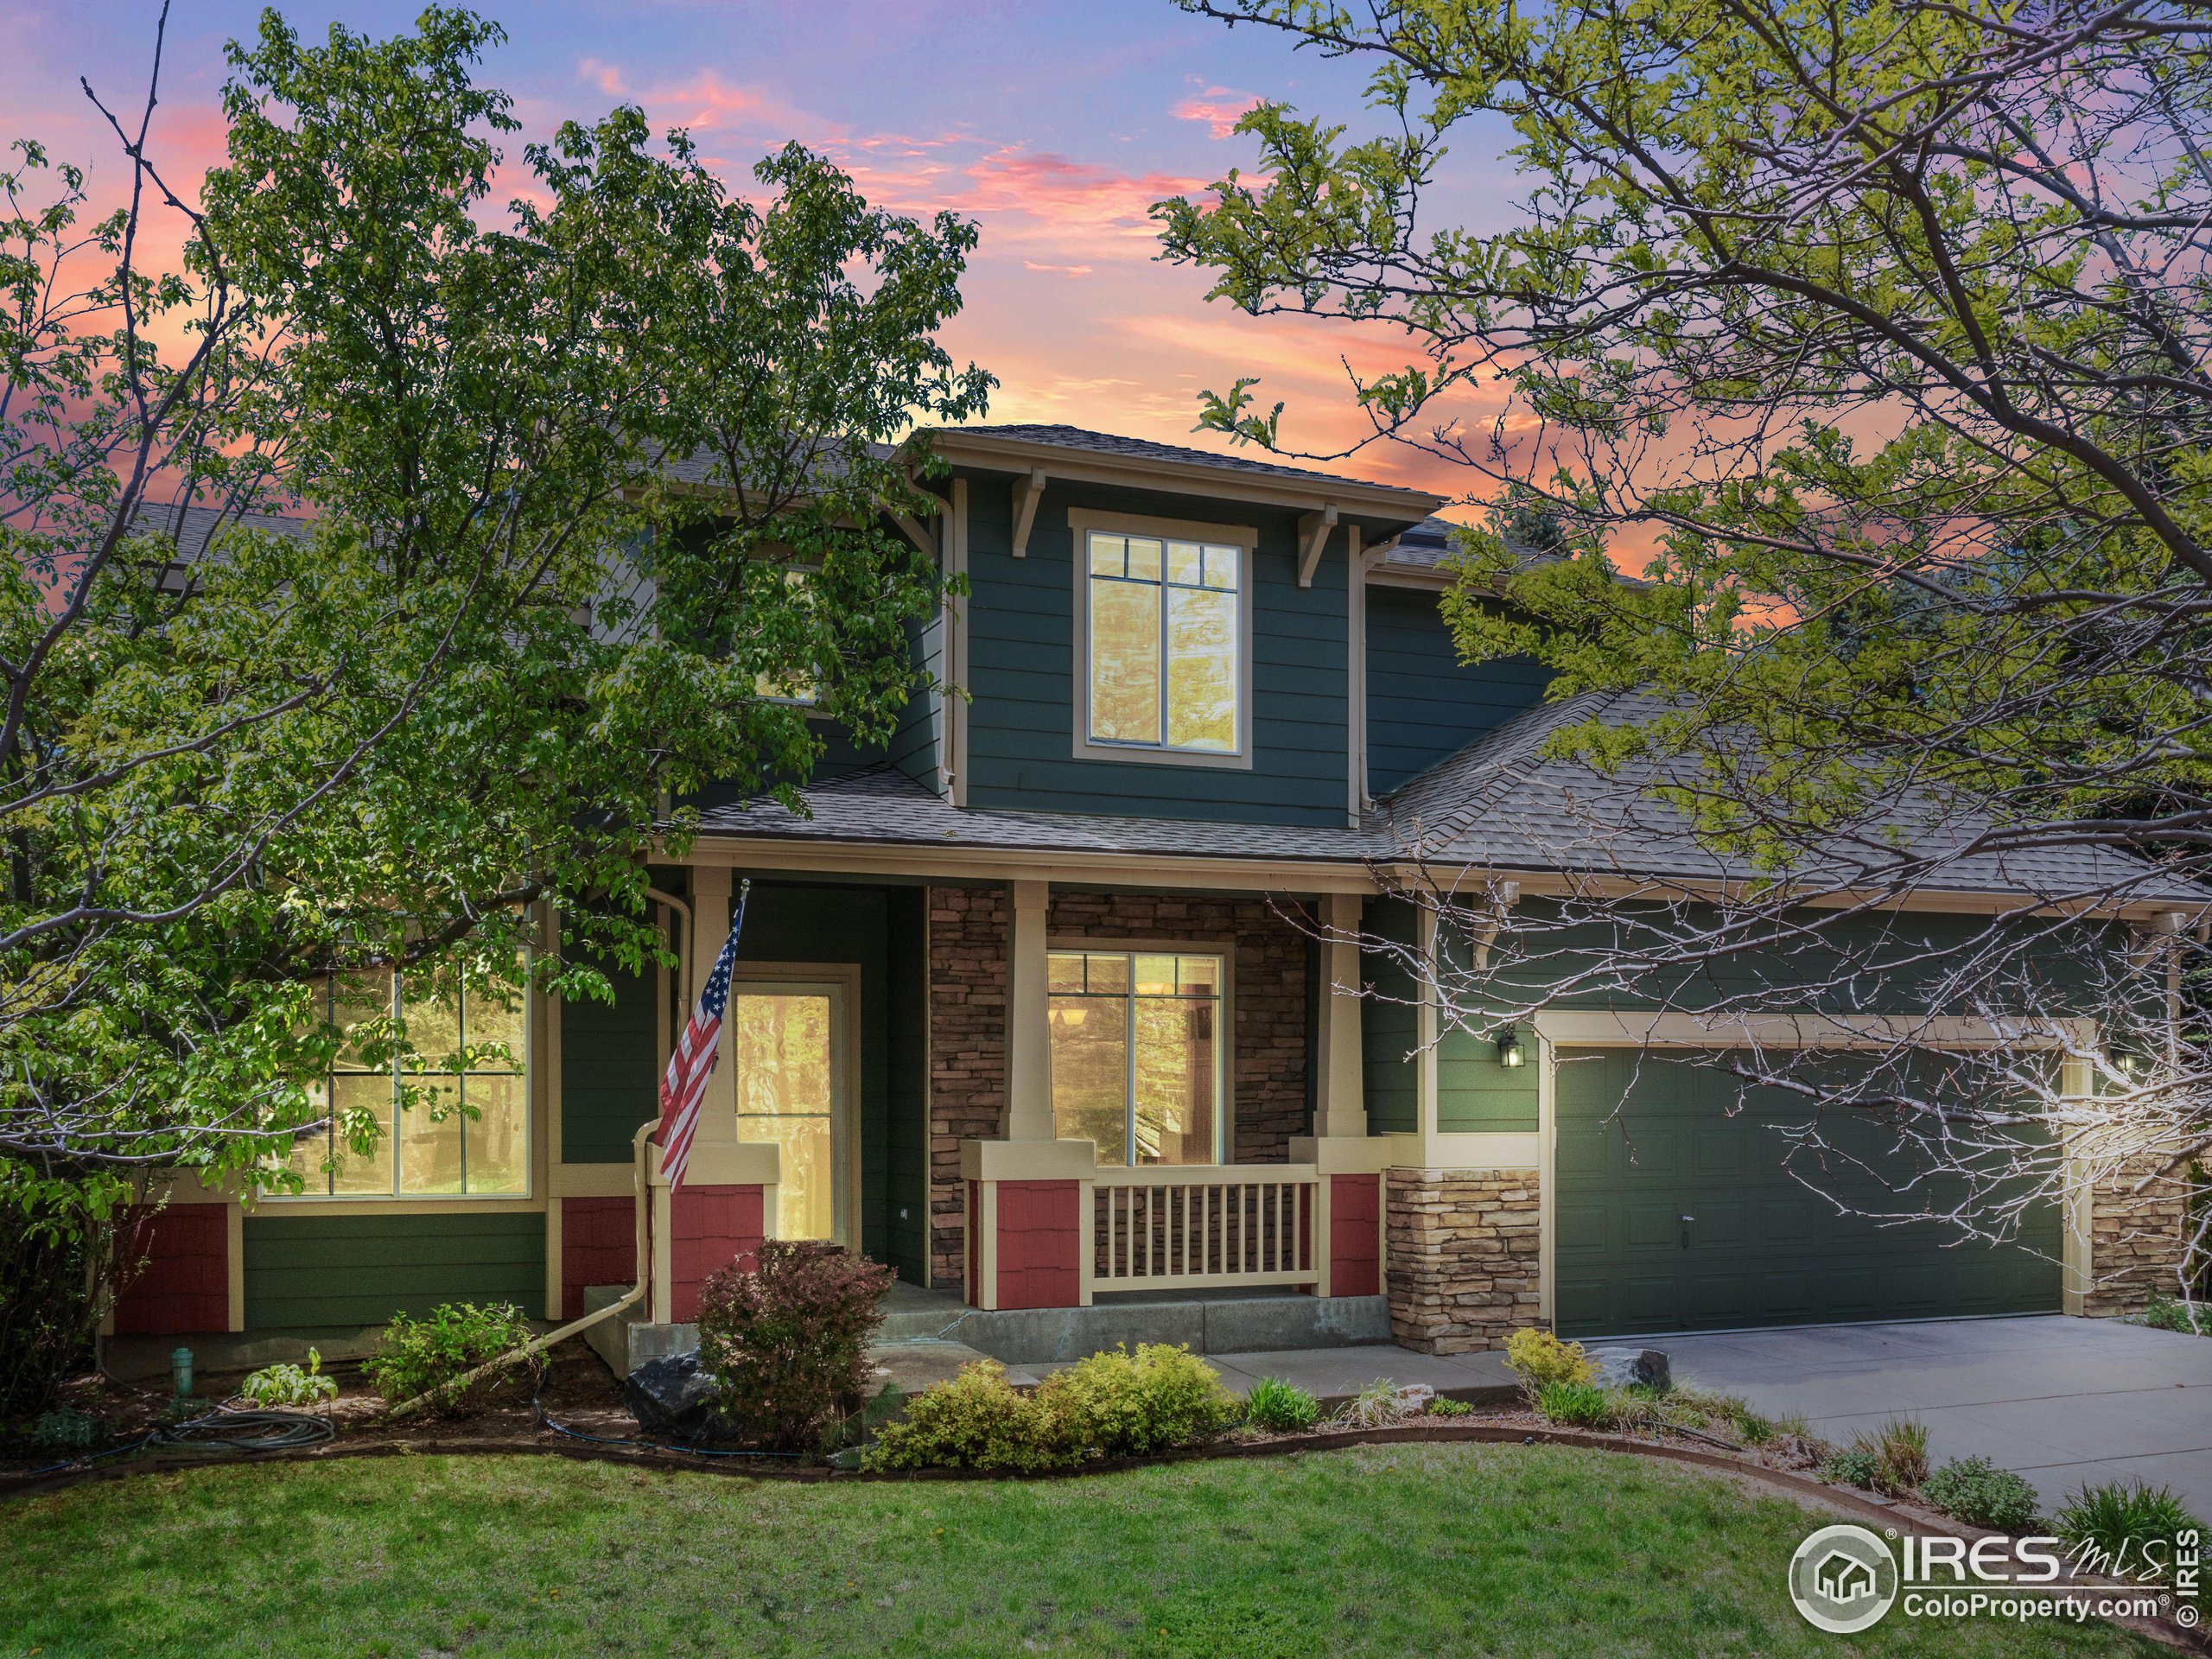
column 916, row 532
column 1028, row 490
column 1314, row 530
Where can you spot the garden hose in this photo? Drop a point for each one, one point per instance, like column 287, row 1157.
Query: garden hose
column 220, row 1430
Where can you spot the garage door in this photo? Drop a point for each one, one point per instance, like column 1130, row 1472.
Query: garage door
column 1757, row 1248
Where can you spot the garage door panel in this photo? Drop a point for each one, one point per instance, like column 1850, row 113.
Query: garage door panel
column 1766, row 1248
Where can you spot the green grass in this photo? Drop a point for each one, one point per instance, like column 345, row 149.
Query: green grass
column 1404, row 1550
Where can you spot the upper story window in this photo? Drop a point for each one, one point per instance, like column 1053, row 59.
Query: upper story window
column 1165, row 653
column 433, row 1148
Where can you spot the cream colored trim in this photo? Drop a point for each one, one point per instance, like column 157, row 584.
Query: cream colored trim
column 1344, row 1154
column 952, row 700
column 543, row 1093
column 1225, row 951
column 272, row 1203
column 1029, row 1160
column 1340, row 1107
column 1323, row 1234
column 1426, row 1035
column 1485, row 1151
column 234, row 1262
column 1314, row 530
column 1083, row 522
column 917, row 533
column 553, row 1278
column 1086, row 1243
column 593, row 1180
column 1546, row 1179
column 1028, row 490
column 1355, row 682
column 986, row 1258
column 1805, row 1030
column 2077, row 1261
column 724, row 1163
column 1029, row 1040
column 1003, row 454
column 999, row 864
column 663, row 1297
column 842, row 980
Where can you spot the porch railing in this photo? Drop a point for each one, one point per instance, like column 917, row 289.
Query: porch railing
column 1176, row 1226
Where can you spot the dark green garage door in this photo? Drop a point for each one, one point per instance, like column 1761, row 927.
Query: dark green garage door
column 1760, row 1248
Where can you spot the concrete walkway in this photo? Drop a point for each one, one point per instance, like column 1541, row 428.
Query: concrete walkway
column 2065, row 1402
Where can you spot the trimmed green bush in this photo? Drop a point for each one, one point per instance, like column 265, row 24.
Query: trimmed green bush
column 1279, row 1408
column 1853, row 1467
column 1981, row 1494
column 1121, row 1404
column 978, row 1421
column 785, row 1340
column 2129, row 1527
column 1444, row 1406
column 419, row 1357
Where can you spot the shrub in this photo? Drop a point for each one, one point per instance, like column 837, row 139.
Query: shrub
column 1899, row 1449
column 2126, row 1530
column 786, row 1341
column 1121, row 1404
column 419, row 1357
column 1444, row 1406
column 2162, row 1313
column 1578, row 1405
column 1853, row 1467
column 1538, row 1357
column 1982, row 1495
column 1279, row 1407
column 1377, row 1406
column 65, row 1429
column 288, row 1385
column 978, row 1421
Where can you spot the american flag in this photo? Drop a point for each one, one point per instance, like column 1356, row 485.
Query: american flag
column 693, row 1063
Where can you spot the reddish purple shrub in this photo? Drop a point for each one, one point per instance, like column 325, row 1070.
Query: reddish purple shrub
column 786, row 1342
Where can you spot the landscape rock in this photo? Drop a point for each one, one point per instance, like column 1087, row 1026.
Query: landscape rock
column 1621, row 1367
column 672, row 1396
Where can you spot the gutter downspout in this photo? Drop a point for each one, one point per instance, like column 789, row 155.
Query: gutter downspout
column 644, row 1274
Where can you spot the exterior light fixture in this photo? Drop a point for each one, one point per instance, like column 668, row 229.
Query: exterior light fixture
column 1508, row 1047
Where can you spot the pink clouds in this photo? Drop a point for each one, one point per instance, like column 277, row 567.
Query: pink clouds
column 1055, row 270
column 1218, row 107
column 1067, row 195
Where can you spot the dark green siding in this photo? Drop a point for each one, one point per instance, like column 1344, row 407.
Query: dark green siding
column 906, row 1139
column 609, row 1063
column 1643, row 1141
column 1022, row 660
column 1389, row 1029
column 309, row 1273
column 1475, row 1095
column 1422, row 702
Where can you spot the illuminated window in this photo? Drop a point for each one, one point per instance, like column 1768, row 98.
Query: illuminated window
column 472, row 1045
column 1164, row 654
column 799, row 686
column 1137, row 1055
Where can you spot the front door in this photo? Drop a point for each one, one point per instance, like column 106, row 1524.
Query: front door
column 794, row 1087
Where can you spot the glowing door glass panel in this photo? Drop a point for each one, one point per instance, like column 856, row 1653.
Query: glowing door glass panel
column 787, row 1084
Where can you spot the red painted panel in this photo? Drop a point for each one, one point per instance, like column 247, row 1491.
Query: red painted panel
column 708, row 1227
column 1039, row 1244
column 1355, row 1235
column 185, row 1285
column 599, row 1246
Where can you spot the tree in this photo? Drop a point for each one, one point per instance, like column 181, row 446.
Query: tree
column 568, row 495
column 1878, row 333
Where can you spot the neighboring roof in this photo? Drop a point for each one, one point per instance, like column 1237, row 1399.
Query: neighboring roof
column 193, row 526
column 1499, row 804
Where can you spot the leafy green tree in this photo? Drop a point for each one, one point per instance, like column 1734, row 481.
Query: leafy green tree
column 376, row 578
column 1877, row 336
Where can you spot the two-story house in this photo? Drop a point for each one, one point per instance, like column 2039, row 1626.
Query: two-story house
column 1055, row 999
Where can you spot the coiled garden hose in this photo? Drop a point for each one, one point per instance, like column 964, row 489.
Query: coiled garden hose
column 221, row 1430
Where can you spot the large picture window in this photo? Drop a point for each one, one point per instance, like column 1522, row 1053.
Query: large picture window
column 1164, row 653
column 434, row 1148
column 1136, row 1054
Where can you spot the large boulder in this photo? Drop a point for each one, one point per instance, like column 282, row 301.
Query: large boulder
column 672, row 1396
column 1620, row 1367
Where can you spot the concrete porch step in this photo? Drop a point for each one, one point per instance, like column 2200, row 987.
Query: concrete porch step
column 1214, row 1325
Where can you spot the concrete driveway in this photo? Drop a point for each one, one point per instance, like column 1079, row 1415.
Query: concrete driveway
column 2063, row 1401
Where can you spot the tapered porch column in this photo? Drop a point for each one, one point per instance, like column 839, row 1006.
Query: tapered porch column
column 1348, row 1199
column 1030, row 1196
column 727, row 1205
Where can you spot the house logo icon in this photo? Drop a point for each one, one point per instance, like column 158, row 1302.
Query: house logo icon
column 1842, row 1580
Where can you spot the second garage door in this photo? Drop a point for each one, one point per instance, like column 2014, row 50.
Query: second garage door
column 1673, row 1216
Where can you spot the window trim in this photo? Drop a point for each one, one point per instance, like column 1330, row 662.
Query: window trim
column 540, row 1016
column 1083, row 521
column 1225, row 950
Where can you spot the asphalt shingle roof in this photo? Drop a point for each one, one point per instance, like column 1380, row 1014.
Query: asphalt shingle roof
column 1075, row 437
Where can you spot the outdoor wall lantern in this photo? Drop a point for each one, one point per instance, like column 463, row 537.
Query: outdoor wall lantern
column 1508, row 1046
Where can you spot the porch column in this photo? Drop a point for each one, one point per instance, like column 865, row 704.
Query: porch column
column 1348, row 1229
column 1030, row 1196
column 727, row 1205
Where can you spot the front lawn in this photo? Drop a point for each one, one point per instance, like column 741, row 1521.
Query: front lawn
column 1401, row 1549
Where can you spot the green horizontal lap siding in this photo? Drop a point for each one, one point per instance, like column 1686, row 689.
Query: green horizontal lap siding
column 1389, row 1029
column 913, row 745
column 609, row 1071
column 1763, row 1248
column 1423, row 703
column 1477, row 1095
column 906, row 1132
column 1023, row 654
column 309, row 1274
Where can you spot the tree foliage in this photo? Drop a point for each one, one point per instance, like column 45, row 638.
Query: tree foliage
column 376, row 576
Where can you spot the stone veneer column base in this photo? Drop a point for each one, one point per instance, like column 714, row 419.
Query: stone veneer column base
column 1463, row 1264
column 2137, row 1241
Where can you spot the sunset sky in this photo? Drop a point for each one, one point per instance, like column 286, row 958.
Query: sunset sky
column 1054, row 123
